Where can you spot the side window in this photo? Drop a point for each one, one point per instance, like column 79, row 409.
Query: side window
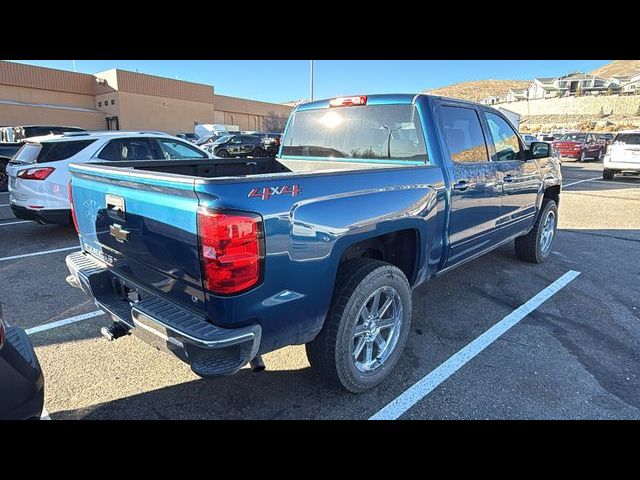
column 236, row 140
column 464, row 135
column 175, row 150
column 127, row 149
column 505, row 139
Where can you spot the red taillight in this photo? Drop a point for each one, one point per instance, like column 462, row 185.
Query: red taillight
column 73, row 212
column 231, row 250
column 35, row 173
column 348, row 101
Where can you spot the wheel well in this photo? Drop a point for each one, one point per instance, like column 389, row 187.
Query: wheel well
column 397, row 248
column 553, row 193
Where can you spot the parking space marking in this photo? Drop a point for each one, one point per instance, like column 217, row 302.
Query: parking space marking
column 62, row 323
column 581, row 181
column 5, row 204
column 15, row 223
column 428, row 383
column 43, row 252
column 45, row 415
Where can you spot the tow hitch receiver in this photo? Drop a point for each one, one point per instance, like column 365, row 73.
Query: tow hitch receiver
column 114, row 331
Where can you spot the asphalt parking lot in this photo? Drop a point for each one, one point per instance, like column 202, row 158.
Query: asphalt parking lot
column 575, row 356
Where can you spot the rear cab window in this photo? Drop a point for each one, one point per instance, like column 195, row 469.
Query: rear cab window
column 363, row 132
column 46, row 152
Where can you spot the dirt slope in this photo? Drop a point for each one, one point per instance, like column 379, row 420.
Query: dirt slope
column 480, row 89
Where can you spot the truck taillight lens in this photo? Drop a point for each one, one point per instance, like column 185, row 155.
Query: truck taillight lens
column 231, row 250
column 73, row 212
column 35, row 173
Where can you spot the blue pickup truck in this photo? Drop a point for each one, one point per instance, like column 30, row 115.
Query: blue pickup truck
column 222, row 260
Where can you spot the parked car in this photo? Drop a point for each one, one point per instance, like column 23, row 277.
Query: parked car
column 192, row 137
column 16, row 133
column 237, row 146
column 320, row 245
column 528, row 139
column 605, row 138
column 39, row 172
column 580, row 146
column 270, row 142
column 206, row 141
column 623, row 155
column 21, row 379
column 13, row 137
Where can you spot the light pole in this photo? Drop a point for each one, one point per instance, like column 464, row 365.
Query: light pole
column 74, row 65
column 311, row 80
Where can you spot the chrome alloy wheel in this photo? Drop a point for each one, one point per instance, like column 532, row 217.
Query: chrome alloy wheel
column 548, row 230
column 377, row 329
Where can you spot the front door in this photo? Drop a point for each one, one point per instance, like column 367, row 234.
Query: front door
column 112, row 123
column 476, row 189
column 520, row 178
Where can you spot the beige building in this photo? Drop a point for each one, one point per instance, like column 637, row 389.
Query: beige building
column 121, row 100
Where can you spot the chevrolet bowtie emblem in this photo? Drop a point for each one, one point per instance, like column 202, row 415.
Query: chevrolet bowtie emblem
column 119, row 233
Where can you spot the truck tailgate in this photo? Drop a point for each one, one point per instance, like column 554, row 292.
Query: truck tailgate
column 144, row 227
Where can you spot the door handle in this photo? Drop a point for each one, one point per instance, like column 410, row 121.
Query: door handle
column 462, row 185
column 508, row 178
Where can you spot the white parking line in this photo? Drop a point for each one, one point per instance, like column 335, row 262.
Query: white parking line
column 581, row 181
column 15, row 223
column 44, row 252
column 428, row 383
column 62, row 323
column 5, row 204
column 45, row 415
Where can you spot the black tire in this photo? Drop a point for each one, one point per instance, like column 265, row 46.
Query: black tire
column 582, row 157
column 258, row 152
column 600, row 157
column 4, row 178
column 528, row 247
column 607, row 174
column 222, row 153
column 330, row 353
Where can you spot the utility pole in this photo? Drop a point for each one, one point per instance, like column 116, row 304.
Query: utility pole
column 311, row 80
column 74, row 65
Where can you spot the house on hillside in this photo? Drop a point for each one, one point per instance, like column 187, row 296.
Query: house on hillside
column 516, row 94
column 573, row 84
column 631, row 86
column 492, row 100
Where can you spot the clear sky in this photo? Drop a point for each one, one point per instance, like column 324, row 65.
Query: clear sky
column 285, row 80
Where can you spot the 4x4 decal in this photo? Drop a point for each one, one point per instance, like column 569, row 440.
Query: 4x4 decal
column 267, row 192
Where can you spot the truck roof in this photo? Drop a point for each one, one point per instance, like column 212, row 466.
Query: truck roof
column 380, row 99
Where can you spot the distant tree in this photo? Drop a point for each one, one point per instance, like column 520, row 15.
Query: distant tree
column 274, row 122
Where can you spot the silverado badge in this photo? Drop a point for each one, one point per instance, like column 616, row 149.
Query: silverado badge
column 119, row 233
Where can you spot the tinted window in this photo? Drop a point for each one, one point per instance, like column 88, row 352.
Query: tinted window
column 627, row 138
column 175, row 150
column 575, row 137
column 372, row 131
column 50, row 151
column 250, row 139
column 127, row 149
column 505, row 139
column 464, row 135
column 223, row 139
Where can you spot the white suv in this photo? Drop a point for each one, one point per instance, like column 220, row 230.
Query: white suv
column 623, row 155
column 39, row 171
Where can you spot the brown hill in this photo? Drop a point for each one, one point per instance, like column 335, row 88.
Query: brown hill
column 480, row 89
column 618, row 68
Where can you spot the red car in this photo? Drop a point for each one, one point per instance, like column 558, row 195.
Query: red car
column 581, row 146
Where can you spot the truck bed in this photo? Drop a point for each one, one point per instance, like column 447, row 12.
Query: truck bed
column 240, row 167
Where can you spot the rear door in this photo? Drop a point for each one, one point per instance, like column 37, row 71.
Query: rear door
column 144, row 226
column 520, row 178
column 625, row 149
column 476, row 188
